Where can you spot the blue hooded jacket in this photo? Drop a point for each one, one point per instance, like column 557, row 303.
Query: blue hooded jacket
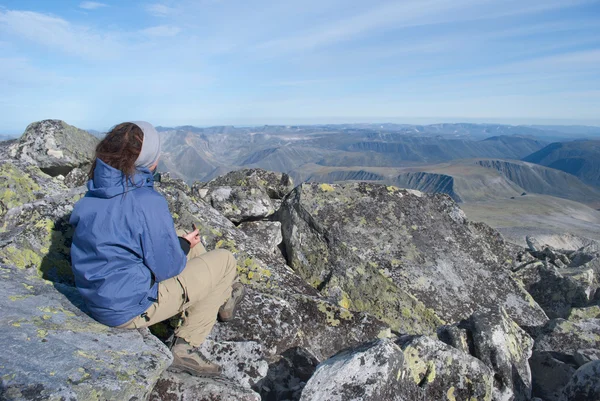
column 124, row 245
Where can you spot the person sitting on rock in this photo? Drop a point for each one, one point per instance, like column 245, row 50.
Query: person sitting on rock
column 129, row 264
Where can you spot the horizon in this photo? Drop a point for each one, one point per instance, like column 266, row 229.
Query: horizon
column 212, row 62
column 548, row 125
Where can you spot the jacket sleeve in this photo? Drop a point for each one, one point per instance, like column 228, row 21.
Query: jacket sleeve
column 161, row 249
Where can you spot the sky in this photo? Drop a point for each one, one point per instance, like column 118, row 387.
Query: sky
column 251, row 62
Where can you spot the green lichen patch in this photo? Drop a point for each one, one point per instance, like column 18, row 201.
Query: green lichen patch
column 16, row 186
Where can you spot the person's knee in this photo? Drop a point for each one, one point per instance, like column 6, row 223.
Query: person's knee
column 228, row 259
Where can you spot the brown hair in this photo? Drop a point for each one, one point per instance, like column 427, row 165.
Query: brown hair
column 120, row 149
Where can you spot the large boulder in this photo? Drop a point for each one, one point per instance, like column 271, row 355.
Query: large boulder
column 52, row 350
column 276, row 185
column 183, row 387
column 561, row 348
column 365, row 242
column 557, row 290
column 267, row 232
column 370, row 372
column 280, row 311
column 243, row 195
column 443, row 371
column 496, row 340
column 55, row 147
column 584, row 384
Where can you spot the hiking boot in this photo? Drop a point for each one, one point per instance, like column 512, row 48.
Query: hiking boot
column 227, row 310
column 186, row 359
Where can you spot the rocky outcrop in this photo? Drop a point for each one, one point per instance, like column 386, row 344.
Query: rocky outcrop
column 561, row 348
column 183, row 387
column 496, row 340
column 246, row 194
column 55, row 147
column 415, row 254
column 340, row 310
column 371, row 372
column 443, row 372
column 559, row 280
column 52, row 350
column 584, row 384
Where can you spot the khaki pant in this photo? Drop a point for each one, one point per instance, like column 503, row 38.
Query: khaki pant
column 199, row 291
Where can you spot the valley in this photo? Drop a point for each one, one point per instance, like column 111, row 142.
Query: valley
column 510, row 177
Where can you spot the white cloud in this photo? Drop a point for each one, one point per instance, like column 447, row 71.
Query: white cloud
column 159, row 10
column 57, row 33
column 394, row 15
column 161, row 31
column 91, row 5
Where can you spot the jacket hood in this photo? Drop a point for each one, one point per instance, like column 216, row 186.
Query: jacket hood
column 109, row 182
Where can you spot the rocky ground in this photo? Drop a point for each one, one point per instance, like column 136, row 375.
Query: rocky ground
column 355, row 292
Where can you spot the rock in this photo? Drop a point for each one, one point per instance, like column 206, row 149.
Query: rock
column 23, row 183
column 330, row 265
column 585, row 254
column 440, row 370
column 280, row 311
column 288, row 375
column 558, row 351
column 276, row 185
column 240, row 203
column 549, row 375
column 52, row 350
column 591, row 312
column 76, row 177
column 533, row 244
column 558, row 290
column 245, row 194
column 364, row 237
column 504, row 347
column 583, row 356
column 372, row 371
column 267, row 232
column 184, row 387
column 242, row 362
column 584, row 384
column 565, row 337
column 55, row 147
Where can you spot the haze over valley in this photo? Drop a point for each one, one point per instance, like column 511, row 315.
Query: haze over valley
column 511, row 177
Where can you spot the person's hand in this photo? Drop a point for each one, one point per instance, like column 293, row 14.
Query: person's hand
column 193, row 238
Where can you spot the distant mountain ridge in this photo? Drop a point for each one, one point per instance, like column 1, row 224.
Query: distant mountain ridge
column 579, row 158
column 287, row 148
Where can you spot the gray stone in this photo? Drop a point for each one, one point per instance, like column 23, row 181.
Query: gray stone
column 183, row 387
column 559, row 350
column 55, row 147
column 444, row 372
column 533, row 244
column 583, row 356
column 276, row 185
column 566, row 337
column 420, row 247
column 549, row 375
column 239, row 203
column 584, row 384
column 503, row 346
column 53, row 350
column 267, row 232
column 288, row 375
column 558, row 290
column 242, row 362
column 76, row 177
column 280, row 310
column 370, row 372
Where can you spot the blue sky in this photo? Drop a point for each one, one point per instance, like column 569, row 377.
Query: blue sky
column 205, row 62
